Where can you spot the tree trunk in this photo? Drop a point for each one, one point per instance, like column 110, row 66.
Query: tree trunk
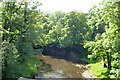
column 3, row 37
column 109, row 60
column 104, row 65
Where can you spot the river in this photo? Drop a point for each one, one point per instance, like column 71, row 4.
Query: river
column 62, row 68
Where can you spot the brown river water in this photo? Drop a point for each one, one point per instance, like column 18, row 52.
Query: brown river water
column 62, row 68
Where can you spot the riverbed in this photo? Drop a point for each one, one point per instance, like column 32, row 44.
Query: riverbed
column 62, row 68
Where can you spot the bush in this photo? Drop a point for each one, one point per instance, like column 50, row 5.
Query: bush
column 13, row 67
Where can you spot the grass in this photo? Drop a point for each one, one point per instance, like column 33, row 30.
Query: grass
column 98, row 70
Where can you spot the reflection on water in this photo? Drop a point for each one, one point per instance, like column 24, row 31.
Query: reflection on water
column 62, row 68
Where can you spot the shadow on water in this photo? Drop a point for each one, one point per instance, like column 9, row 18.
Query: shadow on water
column 69, row 54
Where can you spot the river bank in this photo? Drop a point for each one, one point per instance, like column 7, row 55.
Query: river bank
column 60, row 68
column 66, row 69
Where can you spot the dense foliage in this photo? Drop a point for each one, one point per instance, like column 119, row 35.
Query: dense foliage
column 23, row 27
column 17, row 39
column 105, row 45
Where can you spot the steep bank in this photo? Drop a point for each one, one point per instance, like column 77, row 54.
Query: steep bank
column 71, row 54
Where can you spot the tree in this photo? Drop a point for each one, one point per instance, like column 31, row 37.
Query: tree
column 76, row 28
column 18, row 23
column 106, row 44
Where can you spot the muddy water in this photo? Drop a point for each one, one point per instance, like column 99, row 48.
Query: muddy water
column 64, row 68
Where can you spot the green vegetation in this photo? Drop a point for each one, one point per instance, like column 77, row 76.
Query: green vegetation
column 105, row 45
column 23, row 27
column 16, row 41
column 98, row 70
